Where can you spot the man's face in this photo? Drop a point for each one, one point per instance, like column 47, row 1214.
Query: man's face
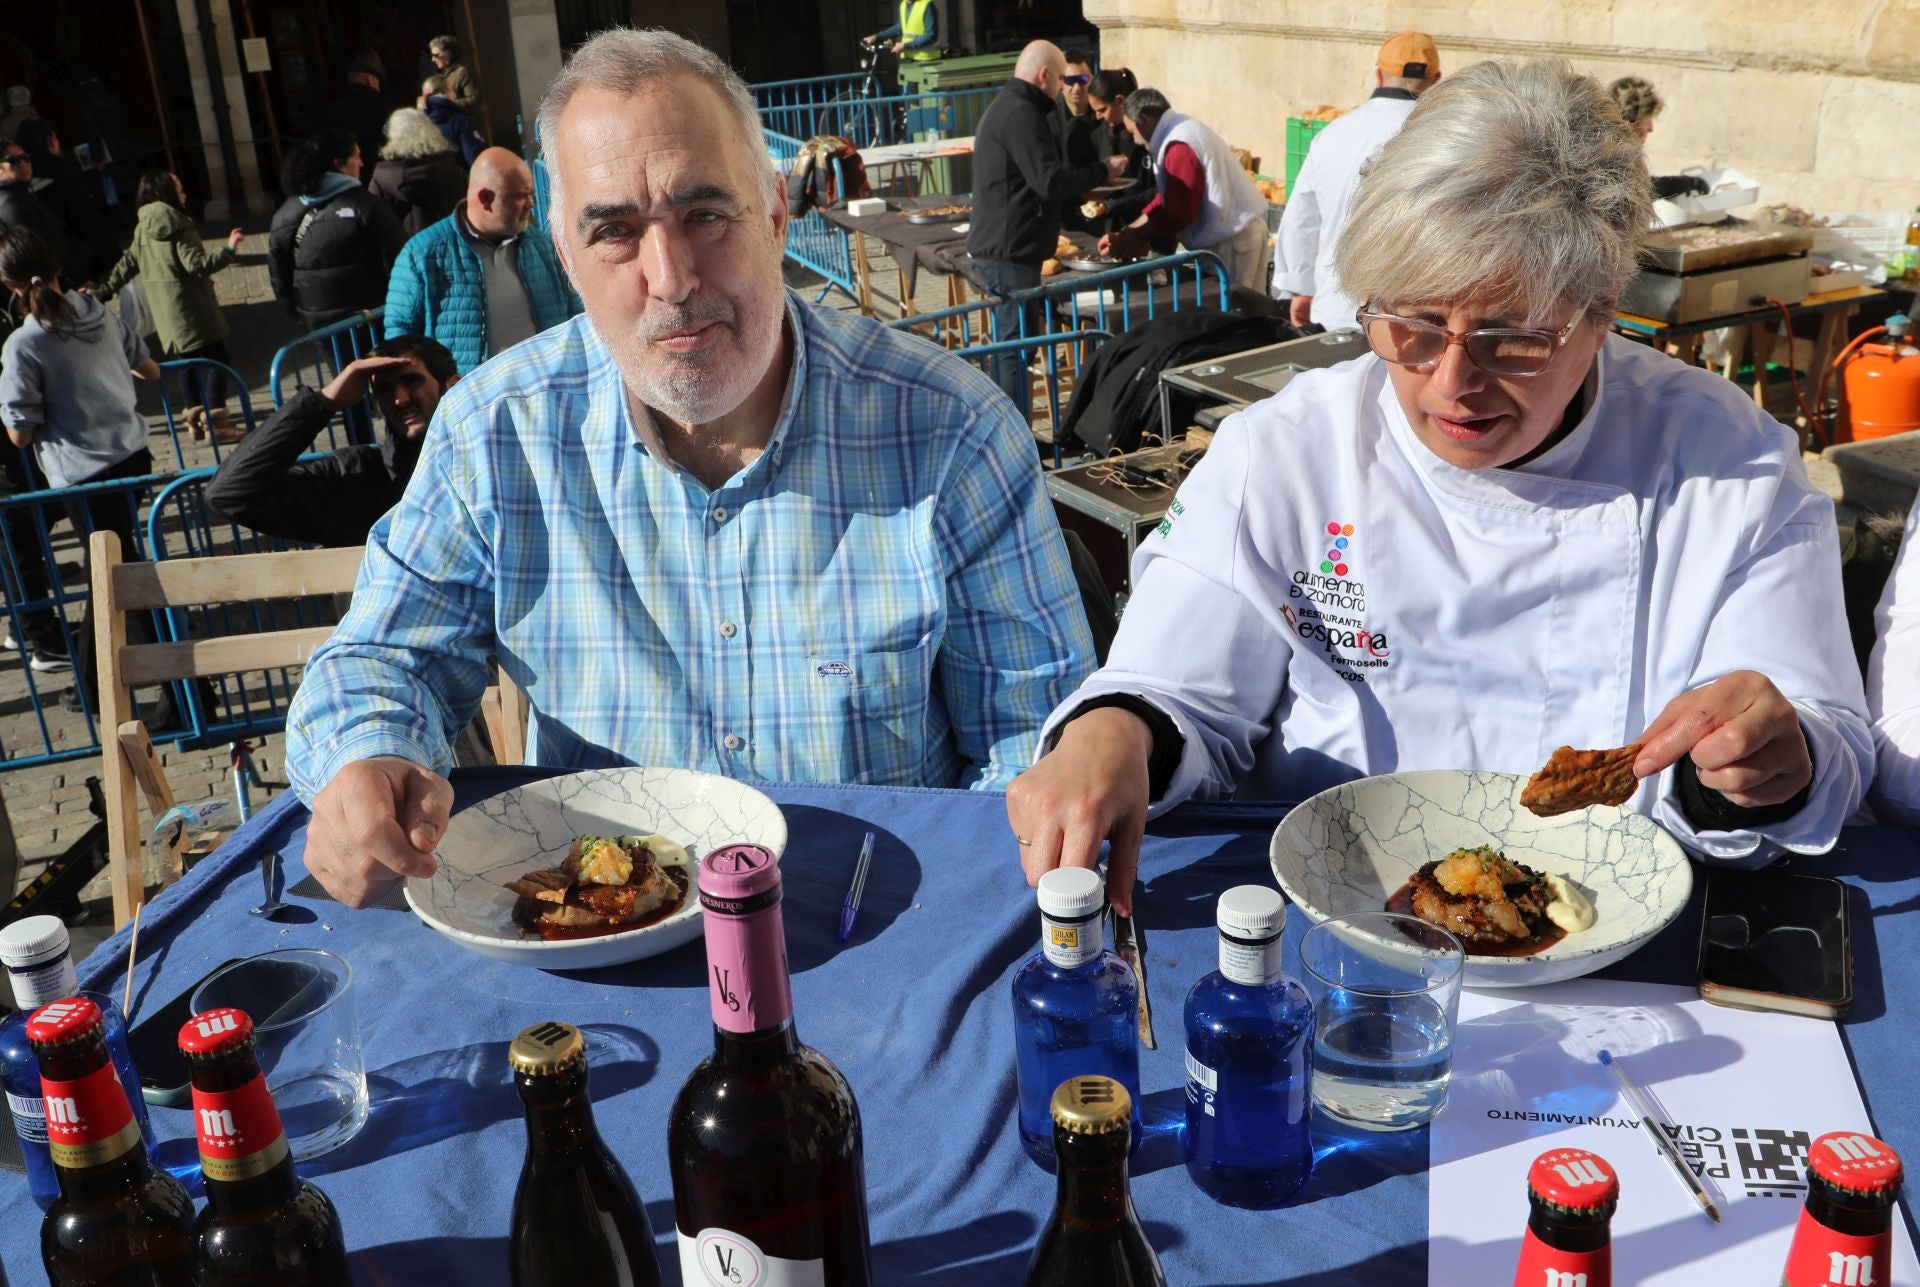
column 406, row 397
column 1643, row 127
column 354, row 164
column 505, row 209
column 15, row 165
column 1141, row 129
column 671, row 236
column 1074, row 87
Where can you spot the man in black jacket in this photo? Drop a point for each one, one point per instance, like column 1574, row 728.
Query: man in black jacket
column 263, row 484
column 1020, row 181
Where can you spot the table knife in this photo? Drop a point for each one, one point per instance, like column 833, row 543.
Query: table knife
column 1131, row 944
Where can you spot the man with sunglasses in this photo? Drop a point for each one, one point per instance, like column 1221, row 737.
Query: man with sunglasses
column 1503, row 531
column 21, row 208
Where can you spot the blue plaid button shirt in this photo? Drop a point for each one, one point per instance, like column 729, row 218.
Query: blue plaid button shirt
column 882, row 597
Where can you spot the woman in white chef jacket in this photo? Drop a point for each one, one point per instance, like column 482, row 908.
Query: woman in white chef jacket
column 1501, row 532
column 1893, row 684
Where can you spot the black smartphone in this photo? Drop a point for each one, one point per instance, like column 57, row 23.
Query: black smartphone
column 1776, row 941
column 154, row 1043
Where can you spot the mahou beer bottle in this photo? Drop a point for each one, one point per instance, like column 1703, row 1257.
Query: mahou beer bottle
column 117, row 1220
column 262, row 1224
column 1093, row 1238
column 764, row 1141
column 1845, row 1236
column 1569, row 1240
column 577, row 1221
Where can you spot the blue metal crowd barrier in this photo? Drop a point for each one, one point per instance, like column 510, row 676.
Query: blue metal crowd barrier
column 812, row 242
column 315, row 358
column 1074, row 310
column 793, row 96
column 871, row 120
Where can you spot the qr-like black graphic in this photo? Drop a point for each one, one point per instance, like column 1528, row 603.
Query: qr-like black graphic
column 1773, row 1163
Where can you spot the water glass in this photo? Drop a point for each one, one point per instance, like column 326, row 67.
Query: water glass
column 1386, row 995
column 307, row 1038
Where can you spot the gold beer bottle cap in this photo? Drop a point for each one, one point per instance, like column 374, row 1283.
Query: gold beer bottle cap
column 547, row 1049
column 1091, row 1105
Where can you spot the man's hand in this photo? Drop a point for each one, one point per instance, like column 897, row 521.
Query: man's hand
column 378, row 820
column 1744, row 737
column 1091, row 787
column 1116, row 166
column 351, row 384
column 898, row 46
column 234, row 238
column 1300, row 310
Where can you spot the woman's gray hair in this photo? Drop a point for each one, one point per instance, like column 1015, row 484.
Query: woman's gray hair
column 448, row 45
column 1517, row 182
column 411, row 133
column 623, row 60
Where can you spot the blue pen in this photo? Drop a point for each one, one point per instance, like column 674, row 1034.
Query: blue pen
column 851, row 908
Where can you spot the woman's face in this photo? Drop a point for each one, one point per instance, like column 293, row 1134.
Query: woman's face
column 1108, row 110
column 1643, row 127
column 1473, row 420
column 179, row 192
column 351, row 166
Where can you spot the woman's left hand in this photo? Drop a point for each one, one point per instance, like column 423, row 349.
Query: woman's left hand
column 1744, row 738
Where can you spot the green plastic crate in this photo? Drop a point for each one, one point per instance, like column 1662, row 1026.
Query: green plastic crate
column 1299, row 138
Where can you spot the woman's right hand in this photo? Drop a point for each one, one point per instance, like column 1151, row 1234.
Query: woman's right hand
column 1092, row 786
column 234, row 237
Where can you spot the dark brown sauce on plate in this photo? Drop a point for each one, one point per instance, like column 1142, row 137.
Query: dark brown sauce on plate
column 566, row 933
column 1402, row 902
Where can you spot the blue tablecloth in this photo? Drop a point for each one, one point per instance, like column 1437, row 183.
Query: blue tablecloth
column 915, row 1011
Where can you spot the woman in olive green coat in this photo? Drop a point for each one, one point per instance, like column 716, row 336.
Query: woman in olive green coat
column 177, row 270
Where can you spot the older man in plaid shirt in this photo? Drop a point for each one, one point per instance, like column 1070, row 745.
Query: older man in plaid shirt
column 705, row 524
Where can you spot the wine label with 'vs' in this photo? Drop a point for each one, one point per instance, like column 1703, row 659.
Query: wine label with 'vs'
column 716, row 1258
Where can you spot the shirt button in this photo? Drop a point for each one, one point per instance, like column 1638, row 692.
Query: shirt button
column 731, row 742
column 719, row 513
column 727, row 629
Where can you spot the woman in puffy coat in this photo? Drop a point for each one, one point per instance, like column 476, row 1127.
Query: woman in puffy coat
column 420, row 176
column 332, row 242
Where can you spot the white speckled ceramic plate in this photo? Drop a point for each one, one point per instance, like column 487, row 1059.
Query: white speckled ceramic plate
column 1351, row 847
column 532, row 826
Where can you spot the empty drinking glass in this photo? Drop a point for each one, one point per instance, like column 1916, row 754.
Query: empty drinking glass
column 307, row 1037
column 1386, row 994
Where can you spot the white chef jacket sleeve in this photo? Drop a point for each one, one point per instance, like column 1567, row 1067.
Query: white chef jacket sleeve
column 1191, row 644
column 1780, row 613
column 1893, row 685
column 1299, row 241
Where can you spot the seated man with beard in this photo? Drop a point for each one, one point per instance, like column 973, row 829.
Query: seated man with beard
column 705, row 524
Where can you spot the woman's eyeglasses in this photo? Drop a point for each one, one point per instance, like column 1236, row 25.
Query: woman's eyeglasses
column 1497, row 350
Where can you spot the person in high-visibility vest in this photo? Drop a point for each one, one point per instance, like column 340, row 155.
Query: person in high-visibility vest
column 916, row 37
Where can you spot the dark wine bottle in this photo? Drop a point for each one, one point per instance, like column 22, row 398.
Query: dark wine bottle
column 577, row 1221
column 764, row 1140
column 1093, row 1238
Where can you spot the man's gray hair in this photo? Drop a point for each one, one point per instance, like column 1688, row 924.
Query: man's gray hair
column 623, row 60
column 1517, row 181
column 1146, row 101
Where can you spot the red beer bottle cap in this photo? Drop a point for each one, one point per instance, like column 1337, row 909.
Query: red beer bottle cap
column 215, row 1032
column 1573, row 1179
column 1855, row 1163
column 68, row 1019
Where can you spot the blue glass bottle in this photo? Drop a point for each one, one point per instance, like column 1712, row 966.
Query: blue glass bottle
column 1249, row 1062
column 1074, row 1007
column 39, row 960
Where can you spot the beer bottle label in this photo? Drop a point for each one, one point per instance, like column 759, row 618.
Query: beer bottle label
column 89, row 1120
column 717, row 1258
column 1822, row 1257
column 1069, row 944
column 239, row 1130
column 1543, row 1266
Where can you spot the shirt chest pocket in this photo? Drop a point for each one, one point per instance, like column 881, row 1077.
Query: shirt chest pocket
column 877, row 700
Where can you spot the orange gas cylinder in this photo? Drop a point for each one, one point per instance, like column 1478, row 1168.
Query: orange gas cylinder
column 1883, row 390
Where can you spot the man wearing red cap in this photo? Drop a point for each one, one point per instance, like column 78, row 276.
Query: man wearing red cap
column 1322, row 192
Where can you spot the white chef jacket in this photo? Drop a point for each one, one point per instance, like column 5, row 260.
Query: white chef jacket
column 1328, row 599
column 1320, row 201
column 1893, row 684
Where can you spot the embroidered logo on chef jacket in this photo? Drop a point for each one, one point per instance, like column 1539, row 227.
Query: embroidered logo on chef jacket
column 1329, row 608
column 1174, row 511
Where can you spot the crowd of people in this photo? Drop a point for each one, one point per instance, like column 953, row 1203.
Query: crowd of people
column 699, row 521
